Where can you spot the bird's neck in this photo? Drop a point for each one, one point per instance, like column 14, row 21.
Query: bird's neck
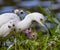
column 25, row 23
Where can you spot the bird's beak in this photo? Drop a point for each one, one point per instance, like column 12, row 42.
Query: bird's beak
column 46, row 28
column 40, row 23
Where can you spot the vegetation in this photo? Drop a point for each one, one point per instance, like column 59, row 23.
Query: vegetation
column 43, row 41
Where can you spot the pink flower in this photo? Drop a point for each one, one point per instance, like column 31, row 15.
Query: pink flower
column 28, row 32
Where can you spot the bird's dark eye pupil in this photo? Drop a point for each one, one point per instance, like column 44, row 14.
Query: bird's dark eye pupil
column 41, row 19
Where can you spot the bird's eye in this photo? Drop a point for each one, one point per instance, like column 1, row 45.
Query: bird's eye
column 41, row 19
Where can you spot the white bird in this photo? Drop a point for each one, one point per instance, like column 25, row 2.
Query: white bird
column 27, row 21
column 19, row 25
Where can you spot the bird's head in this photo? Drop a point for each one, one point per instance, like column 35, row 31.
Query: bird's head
column 37, row 17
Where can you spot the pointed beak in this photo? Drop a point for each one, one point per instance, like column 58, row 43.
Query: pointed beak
column 40, row 23
column 46, row 28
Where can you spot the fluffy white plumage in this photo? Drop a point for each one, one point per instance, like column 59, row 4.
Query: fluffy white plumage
column 7, row 20
column 6, row 28
column 4, row 18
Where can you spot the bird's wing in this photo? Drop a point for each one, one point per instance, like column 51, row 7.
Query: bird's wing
column 6, row 28
column 4, row 18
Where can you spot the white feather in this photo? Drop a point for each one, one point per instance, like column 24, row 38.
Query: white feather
column 5, row 30
column 4, row 18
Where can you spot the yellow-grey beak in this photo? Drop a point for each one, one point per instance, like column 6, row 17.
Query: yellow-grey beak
column 40, row 23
